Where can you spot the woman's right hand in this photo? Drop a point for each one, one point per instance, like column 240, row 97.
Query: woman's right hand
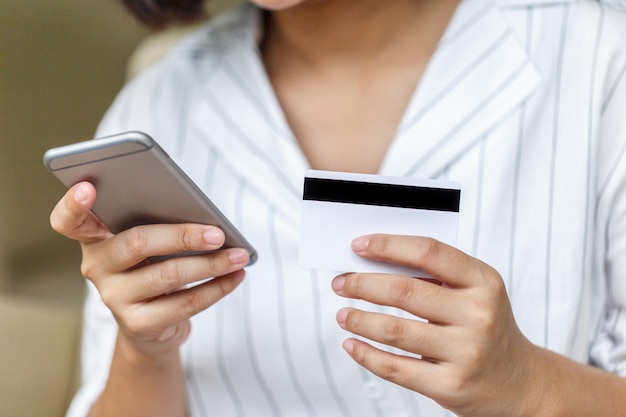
column 151, row 302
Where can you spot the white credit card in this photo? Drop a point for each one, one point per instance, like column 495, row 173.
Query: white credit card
column 338, row 207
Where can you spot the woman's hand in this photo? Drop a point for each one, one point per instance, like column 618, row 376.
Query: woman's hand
column 149, row 301
column 474, row 359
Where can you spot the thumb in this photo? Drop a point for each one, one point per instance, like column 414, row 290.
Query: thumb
column 72, row 217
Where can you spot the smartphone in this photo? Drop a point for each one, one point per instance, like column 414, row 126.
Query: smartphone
column 137, row 183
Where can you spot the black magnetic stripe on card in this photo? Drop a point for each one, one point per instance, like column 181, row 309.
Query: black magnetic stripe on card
column 376, row 194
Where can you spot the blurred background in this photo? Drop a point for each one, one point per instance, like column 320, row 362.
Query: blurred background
column 61, row 64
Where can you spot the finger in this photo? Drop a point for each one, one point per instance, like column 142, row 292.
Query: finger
column 151, row 318
column 444, row 262
column 418, row 297
column 409, row 335
column 72, row 217
column 415, row 374
column 169, row 276
column 136, row 244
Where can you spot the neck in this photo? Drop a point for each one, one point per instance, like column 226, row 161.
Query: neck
column 320, row 32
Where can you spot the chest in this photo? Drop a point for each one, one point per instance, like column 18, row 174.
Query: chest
column 347, row 124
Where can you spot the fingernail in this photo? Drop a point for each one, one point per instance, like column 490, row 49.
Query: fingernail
column 80, row 195
column 342, row 315
column 238, row 256
column 338, row 282
column 360, row 244
column 213, row 237
column 348, row 346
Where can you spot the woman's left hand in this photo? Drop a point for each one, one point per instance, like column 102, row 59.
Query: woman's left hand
column 474, row 359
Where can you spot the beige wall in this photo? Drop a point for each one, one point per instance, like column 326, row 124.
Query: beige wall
column 61, row 64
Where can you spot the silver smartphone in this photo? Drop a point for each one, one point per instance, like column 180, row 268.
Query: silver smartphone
column 137, row 183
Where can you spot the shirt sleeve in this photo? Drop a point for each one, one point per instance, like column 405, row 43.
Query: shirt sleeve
column 608, row 346
column 98, row 341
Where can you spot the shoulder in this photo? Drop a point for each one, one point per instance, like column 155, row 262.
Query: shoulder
column 151, row 99
column 584, row 15
column 584, row 37
column 591, row 15
column 221, row 35
column 223, row 32
column 603, row 29
column 599, row 29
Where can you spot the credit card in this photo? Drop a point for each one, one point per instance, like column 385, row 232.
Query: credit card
column 338, row 207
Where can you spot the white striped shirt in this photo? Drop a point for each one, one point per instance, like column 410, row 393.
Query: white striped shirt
column 524, row 103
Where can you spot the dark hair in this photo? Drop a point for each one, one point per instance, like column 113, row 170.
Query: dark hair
column 160, row 13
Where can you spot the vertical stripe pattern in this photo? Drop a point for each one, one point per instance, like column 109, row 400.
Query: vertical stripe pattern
column 522, row 103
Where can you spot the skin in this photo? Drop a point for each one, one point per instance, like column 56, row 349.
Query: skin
column 324, row 57
column 146, row 377
column 475, row 361
column 341, row 73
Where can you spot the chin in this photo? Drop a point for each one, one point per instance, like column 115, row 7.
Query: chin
column 276, row 4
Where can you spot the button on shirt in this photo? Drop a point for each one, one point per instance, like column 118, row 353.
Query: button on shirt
column 522, row 103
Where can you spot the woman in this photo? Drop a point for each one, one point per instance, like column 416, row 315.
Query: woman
column 518, row 100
